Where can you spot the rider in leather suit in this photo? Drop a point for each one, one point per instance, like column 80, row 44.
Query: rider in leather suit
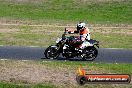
column 84, row 34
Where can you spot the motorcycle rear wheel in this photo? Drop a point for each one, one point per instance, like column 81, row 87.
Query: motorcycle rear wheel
column 51, row 53
column 90, row 54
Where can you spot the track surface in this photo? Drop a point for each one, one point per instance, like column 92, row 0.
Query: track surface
column 36, row 53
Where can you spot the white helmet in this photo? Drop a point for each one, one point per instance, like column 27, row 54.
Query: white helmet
column 80, row 25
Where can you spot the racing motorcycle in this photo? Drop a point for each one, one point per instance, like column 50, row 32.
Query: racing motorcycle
column 67, row 46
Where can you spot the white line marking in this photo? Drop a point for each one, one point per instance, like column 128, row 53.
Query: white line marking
column 25, row 60
column 32, row 46
column 4, row 59
column 1, row 45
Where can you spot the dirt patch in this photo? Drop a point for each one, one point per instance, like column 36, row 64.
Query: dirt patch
column 11, row 28
column 8, row 30
column 113, row 30
column 32, row 72
column 23, row 72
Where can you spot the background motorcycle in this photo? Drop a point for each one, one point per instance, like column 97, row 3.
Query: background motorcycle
column 67, row 46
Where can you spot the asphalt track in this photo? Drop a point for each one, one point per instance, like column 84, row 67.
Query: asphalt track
column 36, row 53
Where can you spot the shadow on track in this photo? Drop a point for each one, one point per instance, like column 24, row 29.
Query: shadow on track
column 63, row 59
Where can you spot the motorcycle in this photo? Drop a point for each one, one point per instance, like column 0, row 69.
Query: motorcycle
column 67, row 46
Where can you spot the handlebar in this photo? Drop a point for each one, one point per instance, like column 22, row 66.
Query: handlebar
column 64, row 36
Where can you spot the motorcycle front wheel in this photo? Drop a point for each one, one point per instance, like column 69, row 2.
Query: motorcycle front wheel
column 51, row 53
column 90, row 54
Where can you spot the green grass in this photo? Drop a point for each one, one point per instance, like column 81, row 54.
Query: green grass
column 63, row 12
column 28, row 38
column 106, row 67
column 113, row 40
column 116, row 67
column 68, row 10
column 12, row 85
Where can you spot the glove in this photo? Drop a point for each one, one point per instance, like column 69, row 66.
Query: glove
column 69, row 32
column 66, row 32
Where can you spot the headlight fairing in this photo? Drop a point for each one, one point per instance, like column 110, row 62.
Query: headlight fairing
column 58, row 40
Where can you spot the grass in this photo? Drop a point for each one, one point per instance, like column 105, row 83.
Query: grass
column 22, row 74
column 63, row 12
column 12, row 85
column 113, row 40
column 28, row 39
column 45, row 36
column 110, row 11
column 106, row 67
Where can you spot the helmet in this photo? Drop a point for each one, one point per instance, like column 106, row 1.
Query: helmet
column 80, row 25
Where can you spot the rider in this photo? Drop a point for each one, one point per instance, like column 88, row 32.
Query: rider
column 84, row 34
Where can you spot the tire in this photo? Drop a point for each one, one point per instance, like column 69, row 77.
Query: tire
column 51, row 53
column 90, row 54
